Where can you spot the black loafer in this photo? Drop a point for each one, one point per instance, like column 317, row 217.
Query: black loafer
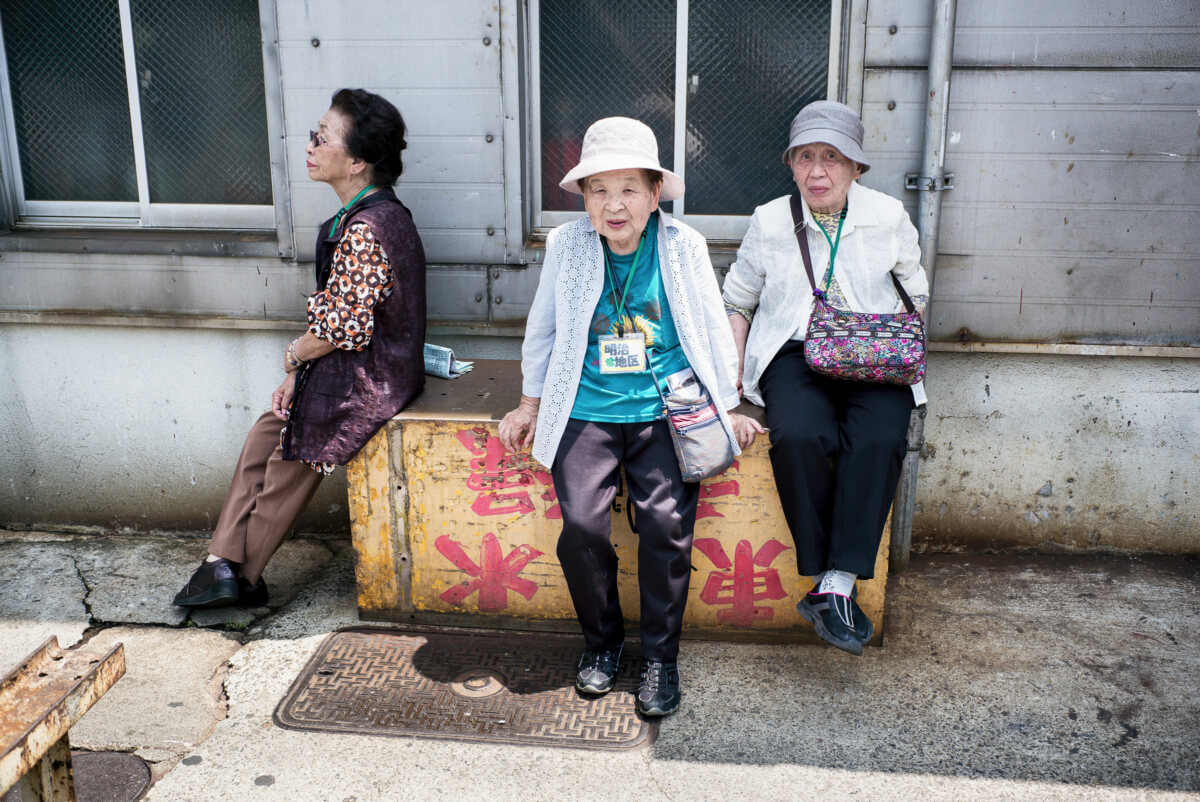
column 215, row 584
column 832, row 615
column 252, row 595
column 863, row 627
column 658, row 692
column 598, row 671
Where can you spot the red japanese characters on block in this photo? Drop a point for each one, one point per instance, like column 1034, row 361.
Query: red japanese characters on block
column 504, row 478
column 493, row 577
column 717, row 486
column 740, row 584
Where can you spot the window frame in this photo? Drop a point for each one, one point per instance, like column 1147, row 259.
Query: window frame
column 715, row 227
column 22, row 216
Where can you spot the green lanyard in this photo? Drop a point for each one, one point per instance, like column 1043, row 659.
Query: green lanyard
column 833, row 245
column 619, row 303
column 337, row 218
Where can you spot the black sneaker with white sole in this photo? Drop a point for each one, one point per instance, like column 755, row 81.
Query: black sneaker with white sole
column 598, row 671
column 863, row 626
column 658, row 692
column 832, row 615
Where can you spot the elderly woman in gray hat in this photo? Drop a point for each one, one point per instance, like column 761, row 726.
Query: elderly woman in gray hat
column 836, row 445
column 626, row 278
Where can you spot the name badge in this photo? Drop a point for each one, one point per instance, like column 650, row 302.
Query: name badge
column 623, row 354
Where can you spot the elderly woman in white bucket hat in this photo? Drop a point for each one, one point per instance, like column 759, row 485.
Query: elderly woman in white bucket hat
column 836, row 444
column 630, row 277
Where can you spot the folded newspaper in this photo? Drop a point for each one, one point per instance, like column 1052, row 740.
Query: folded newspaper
column 440, row 361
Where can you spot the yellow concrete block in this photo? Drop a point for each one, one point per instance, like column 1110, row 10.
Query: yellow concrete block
column 448, row 525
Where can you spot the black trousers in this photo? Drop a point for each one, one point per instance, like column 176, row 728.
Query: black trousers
column 836, row 450
column 586, row 470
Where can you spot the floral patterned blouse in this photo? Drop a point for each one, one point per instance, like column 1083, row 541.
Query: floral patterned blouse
column 343, row 313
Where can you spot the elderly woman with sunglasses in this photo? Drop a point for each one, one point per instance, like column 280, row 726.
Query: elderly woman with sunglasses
column 358, row 364
column 627, row 299
column 836, row 444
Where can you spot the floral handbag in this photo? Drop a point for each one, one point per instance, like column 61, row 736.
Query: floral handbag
column 860, row 346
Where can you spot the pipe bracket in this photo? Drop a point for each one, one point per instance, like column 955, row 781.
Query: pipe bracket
column 925, row 183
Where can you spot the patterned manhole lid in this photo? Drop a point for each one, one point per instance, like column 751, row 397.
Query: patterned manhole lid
column 473, row 686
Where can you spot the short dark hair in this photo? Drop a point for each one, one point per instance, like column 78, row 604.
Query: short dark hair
column 376, row 132
column 653, row 178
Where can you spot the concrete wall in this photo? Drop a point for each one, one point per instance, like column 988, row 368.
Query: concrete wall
column 1054, row 452
column 134, row 428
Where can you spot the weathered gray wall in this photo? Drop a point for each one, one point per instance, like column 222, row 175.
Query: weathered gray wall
column 1053, row 452
column 134, row 428
column 1074, row 145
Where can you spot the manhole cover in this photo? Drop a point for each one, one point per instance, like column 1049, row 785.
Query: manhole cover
column 103, row 777
column 477, row 686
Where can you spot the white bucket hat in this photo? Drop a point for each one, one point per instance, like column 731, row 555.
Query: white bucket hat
column 620, row 143
column 832, row 123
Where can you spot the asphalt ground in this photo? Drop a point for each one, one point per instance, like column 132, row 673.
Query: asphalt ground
column 1001, row 677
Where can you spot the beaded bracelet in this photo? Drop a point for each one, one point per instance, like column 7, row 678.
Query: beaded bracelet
column 290, row 357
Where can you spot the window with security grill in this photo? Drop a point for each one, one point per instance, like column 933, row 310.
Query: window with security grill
column 136, row 113
column 718, row 81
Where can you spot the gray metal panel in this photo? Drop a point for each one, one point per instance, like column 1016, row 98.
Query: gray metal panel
column 433, row 62
column 144, row 285
column 1163, row 34
column 512, row 292
column 336, row 21
column 1073, row 201
column 458, row 293
column 429, row 159
column 464, row 63
column 452, row 246
column 428, row 112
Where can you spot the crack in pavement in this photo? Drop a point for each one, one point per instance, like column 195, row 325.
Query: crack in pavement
column 86, row 601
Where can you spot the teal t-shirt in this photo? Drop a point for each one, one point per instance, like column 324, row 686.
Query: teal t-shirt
column 630, row 397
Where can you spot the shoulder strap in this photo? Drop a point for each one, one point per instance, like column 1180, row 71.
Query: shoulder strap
column 908, row 304
column 802, row 237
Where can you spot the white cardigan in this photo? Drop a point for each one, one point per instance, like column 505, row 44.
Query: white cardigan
column 768, row 275
column 556, row 332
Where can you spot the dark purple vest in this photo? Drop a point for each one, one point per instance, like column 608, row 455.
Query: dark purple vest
column 343, row 398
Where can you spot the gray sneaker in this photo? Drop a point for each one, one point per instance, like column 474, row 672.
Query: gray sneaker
column 598, row 671
column 658, row 692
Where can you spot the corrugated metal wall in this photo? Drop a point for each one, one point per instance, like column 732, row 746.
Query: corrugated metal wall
column 1074, row 146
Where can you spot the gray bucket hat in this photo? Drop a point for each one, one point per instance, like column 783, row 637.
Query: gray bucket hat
column 832, row 123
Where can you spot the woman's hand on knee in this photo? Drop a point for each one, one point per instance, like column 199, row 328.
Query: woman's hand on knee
column 744, row 429
column 519, row 426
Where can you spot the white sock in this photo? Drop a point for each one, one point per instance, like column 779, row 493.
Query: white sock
column 212, row 558
column 839, row 582
column 816, row 580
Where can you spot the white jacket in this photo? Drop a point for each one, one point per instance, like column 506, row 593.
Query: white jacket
column 768, row 275
column 572, row 279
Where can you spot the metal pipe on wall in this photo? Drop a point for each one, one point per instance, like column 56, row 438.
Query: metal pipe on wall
column 931, row 182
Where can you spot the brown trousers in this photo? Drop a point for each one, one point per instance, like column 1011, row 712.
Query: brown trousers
column 265, row 498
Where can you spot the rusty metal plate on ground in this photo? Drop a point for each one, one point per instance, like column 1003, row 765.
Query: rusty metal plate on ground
column 470, row 686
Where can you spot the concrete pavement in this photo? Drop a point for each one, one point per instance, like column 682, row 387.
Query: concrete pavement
column 1002, row 677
